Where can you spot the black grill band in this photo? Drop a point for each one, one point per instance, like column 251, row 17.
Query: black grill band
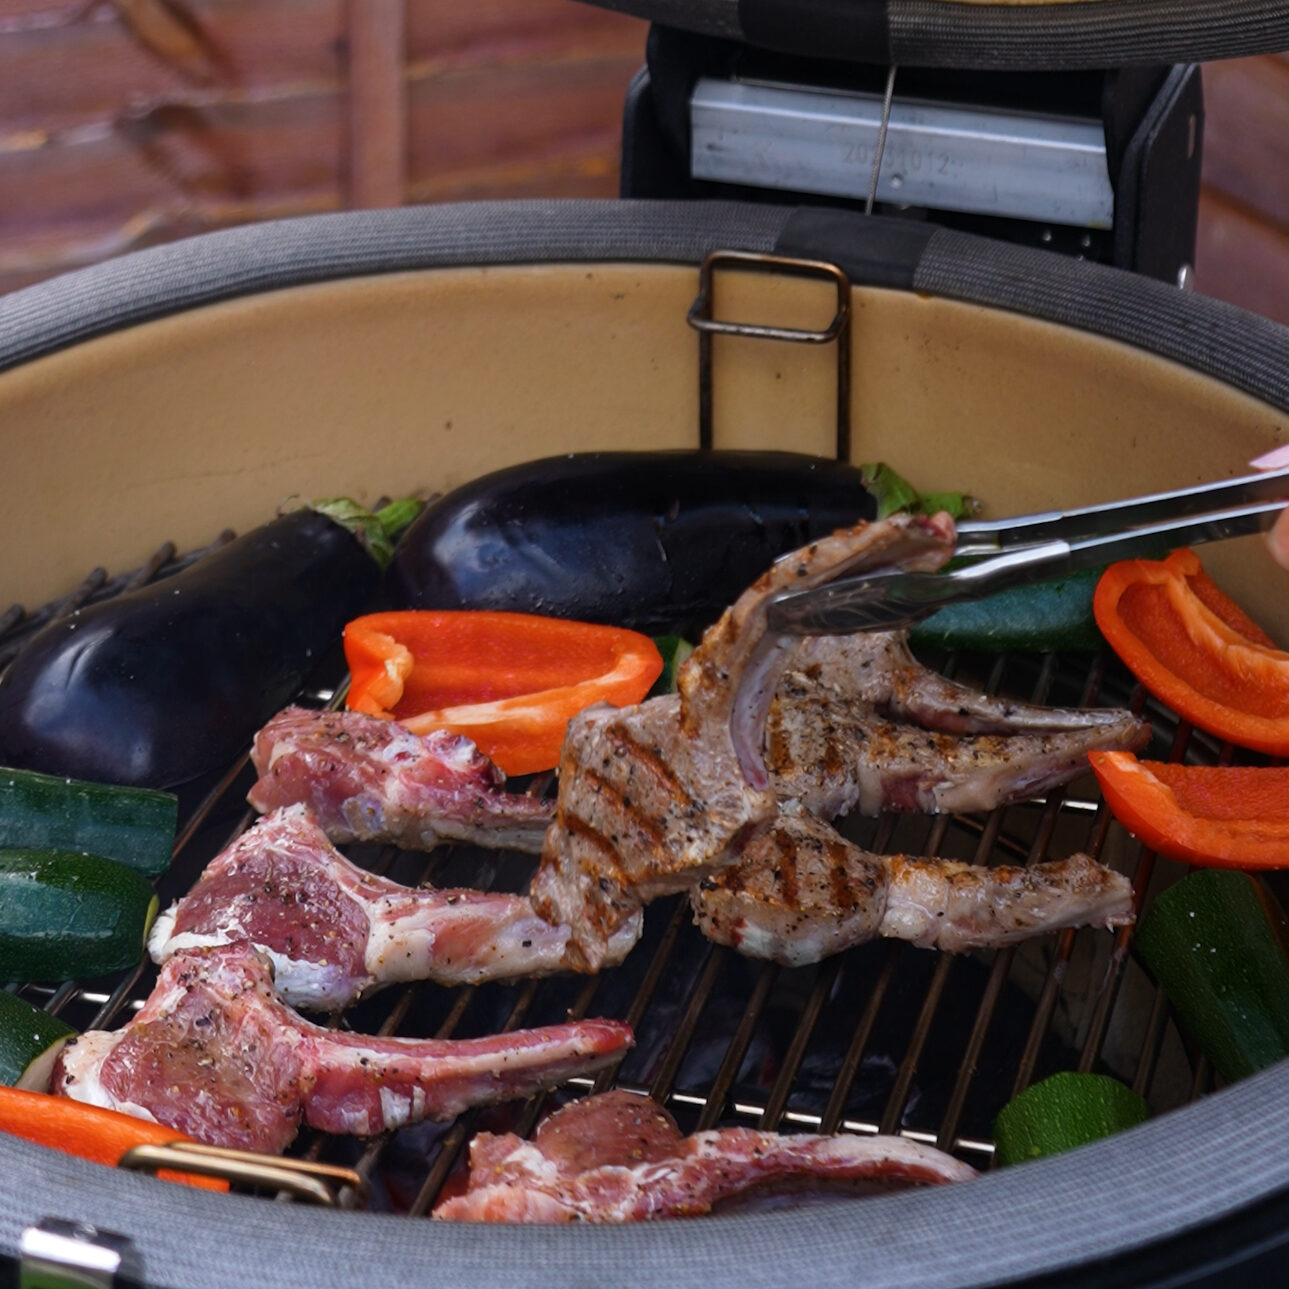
column 856, row 30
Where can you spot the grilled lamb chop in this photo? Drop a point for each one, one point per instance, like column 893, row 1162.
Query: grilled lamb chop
column 858, row 724
column 369, row 779
column 800, row 892
column 619, row 1157
column 216, row 1054
column 335, row 931
column 653, row 797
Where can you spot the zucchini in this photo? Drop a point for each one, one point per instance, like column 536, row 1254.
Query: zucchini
column 1216, row 944
column 1067, row 1110
column 134, row 826
column 64, row 915
column 30, row 1039
column 674, row 650
column 1043, row 618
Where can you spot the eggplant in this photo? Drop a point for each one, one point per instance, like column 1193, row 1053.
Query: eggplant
column 172, row 679
column 658, row 541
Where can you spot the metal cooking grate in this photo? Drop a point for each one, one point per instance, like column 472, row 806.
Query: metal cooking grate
column 885, row 1037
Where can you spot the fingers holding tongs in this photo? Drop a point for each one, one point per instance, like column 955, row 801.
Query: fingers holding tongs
column 991, row 556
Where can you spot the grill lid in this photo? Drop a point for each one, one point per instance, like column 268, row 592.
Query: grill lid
column 1018, row 35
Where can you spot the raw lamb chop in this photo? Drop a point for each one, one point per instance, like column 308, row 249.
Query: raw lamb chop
column 800, row 892
column 653, row 797
column 619, row 1157
column 216, row 1054
column 335, row 931
column 369, row 779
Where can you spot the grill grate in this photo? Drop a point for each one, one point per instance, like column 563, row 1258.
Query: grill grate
column 882, row 1038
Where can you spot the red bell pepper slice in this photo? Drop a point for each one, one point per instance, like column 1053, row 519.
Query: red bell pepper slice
column 1196, row 650
column 92, row 1132
column 508, row 681
column 1216, row 816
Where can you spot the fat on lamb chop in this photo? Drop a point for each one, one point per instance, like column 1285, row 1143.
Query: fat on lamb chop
column 335, row 931
column 369, row 779
column 217, row 1055
column 801, row 891
column 654, row 796
column 619, row 1157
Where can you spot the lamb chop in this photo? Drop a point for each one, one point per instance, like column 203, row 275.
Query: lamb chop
column 653, row 797
column 216, row 1054
column 335, row 931
column 801, row 891
column 858, row 724
column 369, row 779
column 656, row 797
column 619, row 1157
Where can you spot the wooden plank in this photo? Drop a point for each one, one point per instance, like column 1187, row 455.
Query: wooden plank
column 1246, row 135
column 69, row 71
column 377, row 142
column 256, row 157
column 468, row 116
column 447, row 31
column 1241, row 258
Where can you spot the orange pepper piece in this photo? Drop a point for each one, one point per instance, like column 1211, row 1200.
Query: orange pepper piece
column 1196, row 650
column 1217, row 816
column 510, row 682
column 92, row 1132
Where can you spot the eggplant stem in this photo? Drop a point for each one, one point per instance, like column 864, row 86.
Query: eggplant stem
column 376, row 531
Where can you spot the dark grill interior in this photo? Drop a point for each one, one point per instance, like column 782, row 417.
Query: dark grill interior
column 884, row 1038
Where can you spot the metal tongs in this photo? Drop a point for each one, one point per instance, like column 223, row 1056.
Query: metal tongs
column 991, row 556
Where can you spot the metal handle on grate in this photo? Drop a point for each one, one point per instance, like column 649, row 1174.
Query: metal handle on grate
column 316, row 1183
column 700, row 317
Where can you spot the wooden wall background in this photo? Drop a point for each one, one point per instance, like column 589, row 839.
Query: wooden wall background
column 128, row 122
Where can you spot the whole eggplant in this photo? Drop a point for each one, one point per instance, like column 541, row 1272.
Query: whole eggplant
column 658, row 541
column 172, row 679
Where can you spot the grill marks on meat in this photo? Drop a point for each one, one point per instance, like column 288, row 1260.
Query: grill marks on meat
column 216, row 1054
column 619, row 1157
column 801, row 892
column 372, row 780
column 654, row 796
column 334, row 931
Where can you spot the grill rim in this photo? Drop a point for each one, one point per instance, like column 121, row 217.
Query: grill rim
column 1102, row 1201
column 1220, row 340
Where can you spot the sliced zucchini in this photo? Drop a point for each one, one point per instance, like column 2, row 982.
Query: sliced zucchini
column 134, row 826
column 64, row 915
column 1067, row 1110
column 1216, row 943
column 674, row 650
column 30, row 1040
column 1043, row 618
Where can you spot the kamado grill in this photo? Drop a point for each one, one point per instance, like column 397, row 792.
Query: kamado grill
column 172, row 394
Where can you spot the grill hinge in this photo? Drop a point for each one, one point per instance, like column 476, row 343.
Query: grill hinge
column 61, row 1254
column 940, row 156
